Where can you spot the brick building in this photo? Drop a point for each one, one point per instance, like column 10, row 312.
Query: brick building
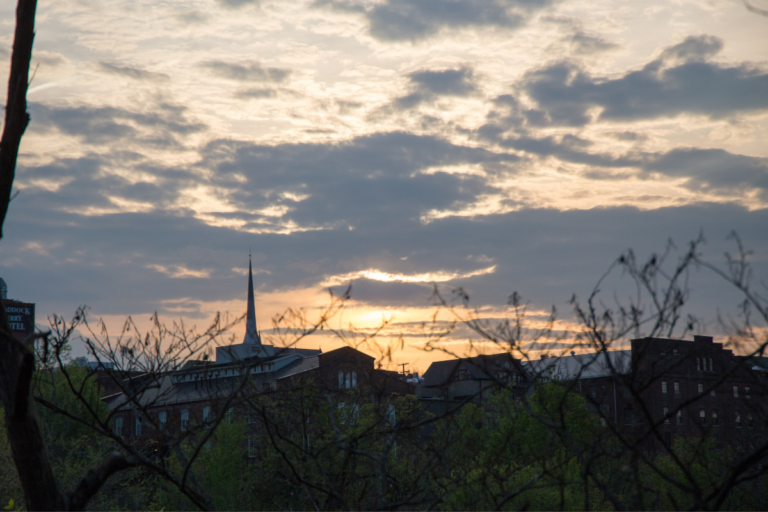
column 198, row 392
column 663, row 389
column 449, row 384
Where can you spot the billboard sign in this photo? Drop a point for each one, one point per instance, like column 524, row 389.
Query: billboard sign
column 21, row 316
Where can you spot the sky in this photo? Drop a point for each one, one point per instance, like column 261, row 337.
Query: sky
column 394, row 145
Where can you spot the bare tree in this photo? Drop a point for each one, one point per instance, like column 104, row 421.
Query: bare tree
column 691, row 474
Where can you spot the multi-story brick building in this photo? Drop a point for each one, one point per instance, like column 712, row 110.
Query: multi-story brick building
column 663, row 389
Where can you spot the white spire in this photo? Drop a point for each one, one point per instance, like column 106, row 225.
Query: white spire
column 251, row 334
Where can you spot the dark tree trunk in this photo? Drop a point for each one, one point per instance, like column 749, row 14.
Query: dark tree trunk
column 17, row 361
column 16, row 117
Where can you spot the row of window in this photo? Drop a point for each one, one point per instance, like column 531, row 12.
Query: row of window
column 224, row 373
column 347, row 380
column 714, row 419
column 162, row 418
column 701, row 364
column 700, row 387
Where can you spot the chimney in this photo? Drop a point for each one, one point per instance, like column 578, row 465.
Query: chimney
column 702, row 339
column 3, row 289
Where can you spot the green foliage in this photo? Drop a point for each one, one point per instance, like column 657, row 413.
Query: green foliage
column 520, row 454
column 686, row 484
column 222, row 469
column 73, row 447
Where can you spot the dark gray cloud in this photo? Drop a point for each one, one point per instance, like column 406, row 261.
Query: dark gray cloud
column 585, row 44
column 709, row 170
column 713, row 170
column 694, row 48
column 246, row 71
column 256, row 93
column 414, row 20
column 131, row 72
column 192, row 18
column 163, row 126
column 564, row 93
column 426, row 85
column 374, row 176
column 449, row 82
column 110, row 261
column 756, row 10
column 238, row 3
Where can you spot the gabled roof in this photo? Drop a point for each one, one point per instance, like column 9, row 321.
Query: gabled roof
column 348, row 349
column 478, row 367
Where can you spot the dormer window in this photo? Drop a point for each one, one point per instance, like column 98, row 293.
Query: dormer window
column 463, row 374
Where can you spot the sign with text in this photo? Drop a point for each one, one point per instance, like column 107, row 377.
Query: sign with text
column 21, row 317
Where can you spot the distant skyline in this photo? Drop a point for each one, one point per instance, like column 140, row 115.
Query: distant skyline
column 496, row 145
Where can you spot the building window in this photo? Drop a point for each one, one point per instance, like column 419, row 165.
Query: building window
column 664, row 387
column 252, row 446
column 593, row 392
column 674, row 352
column 230, row 411
column 347, row 381
column 162, row 418
column 698, row 364
column 342, row 412
column 703, row 417
column 207, row 416
column 341, row 379
column 184, row 420
column 714, row 418
column 667, row 439
column 354, row 379
column 679, row 418
column 391, row 415
column 735, row 391
column 677, row 389
column 711, row 365
column 746, row 392
column 701, row 388
column 138, row 426
column 463, row 374
column 118, row 426
column 712, row 392
column 738, row 419
column 666, row 415
column 628, row 420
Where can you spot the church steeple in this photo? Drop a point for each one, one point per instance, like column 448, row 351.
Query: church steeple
column 251, row 334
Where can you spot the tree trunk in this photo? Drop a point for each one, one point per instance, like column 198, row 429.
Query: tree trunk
column 17, row 361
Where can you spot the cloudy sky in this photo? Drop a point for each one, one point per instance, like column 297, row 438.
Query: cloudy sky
column 497, row 145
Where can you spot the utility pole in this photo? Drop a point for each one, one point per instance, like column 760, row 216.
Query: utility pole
column 403, row 365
